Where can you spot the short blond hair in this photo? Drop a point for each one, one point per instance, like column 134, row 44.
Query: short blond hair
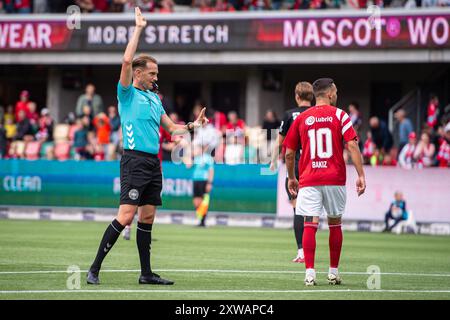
column 304, row 90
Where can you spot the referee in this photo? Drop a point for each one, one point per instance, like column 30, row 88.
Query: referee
column 304, row 97
column 141, row 114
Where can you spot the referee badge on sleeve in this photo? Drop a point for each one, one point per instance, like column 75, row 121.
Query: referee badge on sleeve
column 133, row 194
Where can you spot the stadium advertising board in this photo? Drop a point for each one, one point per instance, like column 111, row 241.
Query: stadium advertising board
column 426, row 193
column 239, row 188
column 310, row 31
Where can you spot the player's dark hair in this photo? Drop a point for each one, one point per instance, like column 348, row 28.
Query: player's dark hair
column 321, row 86
column 141, row 61
column 304, row 90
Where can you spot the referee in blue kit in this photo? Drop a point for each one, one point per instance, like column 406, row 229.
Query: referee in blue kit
column 141, row 114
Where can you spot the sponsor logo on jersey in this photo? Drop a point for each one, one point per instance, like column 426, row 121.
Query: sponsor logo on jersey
column 324, row 119
column 310, row 120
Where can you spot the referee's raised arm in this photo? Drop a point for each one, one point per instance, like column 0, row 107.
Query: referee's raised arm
column 126, row 74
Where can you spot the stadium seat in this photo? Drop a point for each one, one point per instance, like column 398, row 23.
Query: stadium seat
column 61, row 132
column 406, row 225
column 72, row 129
column 17, row 149
column 45, row 149
column 32, row 150
column 62, row 150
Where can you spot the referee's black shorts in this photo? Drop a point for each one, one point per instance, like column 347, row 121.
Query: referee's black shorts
column 200, row 188
column 140, row 179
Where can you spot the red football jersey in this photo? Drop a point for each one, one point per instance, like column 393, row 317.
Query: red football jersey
column 320, row 132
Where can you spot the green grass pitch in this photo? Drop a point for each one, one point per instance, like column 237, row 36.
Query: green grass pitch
column 216, row 263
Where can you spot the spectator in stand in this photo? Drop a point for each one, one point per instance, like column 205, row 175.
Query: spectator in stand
column 300, row 5
column 425, row 151
column 2, row 7
column 101, row 5
column 70, row 118
column 91, row 99
column 45, row 132
column 11, row 128
column 9, row 114
column 81, row 139
column 433, row 111
column 443, row 156
column 102, row 128
column 87, row 112
column 33, row 116
column 220, row 121
column 86, row 6
column 397, row 212
column 234, row 123
column 355, row 116
column 406, row 156
column 271, row 122
column 114, row 120
column 22, row 104
column 24, row 129
column 257, row 5
column 369, row 148
column 224, row 5
column 377, row 158
column 166, row 6
column 144, row 5
column 388, row 160
column 22, row 6
column 405, row 127
column 381, row 135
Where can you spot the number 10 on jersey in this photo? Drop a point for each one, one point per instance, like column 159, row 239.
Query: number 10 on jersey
column 320, row 143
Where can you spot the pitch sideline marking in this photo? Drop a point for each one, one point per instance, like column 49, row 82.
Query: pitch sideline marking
column 237, row 271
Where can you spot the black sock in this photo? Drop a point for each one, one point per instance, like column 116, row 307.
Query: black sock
column 144, row 241
column 298, row 229
column 202, row 222
column 109, row 238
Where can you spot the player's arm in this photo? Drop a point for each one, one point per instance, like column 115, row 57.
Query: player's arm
column 292, row 144
column 355, row 154
column 126, row 74
column 290, row 166
column 174, row 128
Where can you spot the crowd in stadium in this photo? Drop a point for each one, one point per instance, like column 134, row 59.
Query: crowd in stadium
column 168, row 6
column 91, row 133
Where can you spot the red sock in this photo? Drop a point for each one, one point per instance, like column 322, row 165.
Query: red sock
column 335, row 242
column 309, row 243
